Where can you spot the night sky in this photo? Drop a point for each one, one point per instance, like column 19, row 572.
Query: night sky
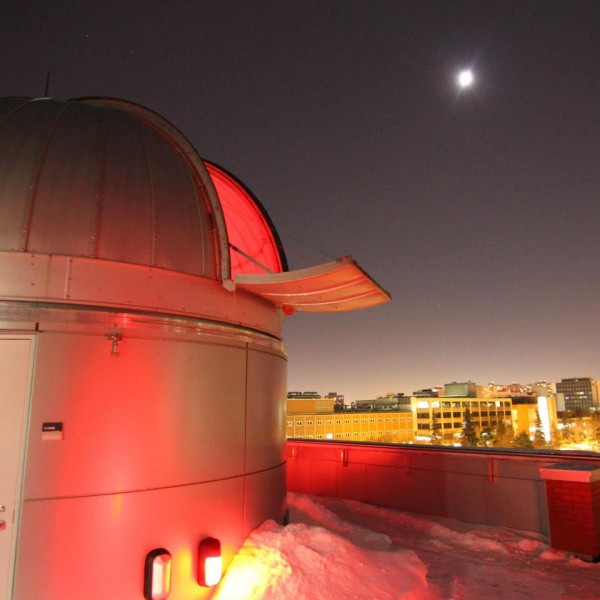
column 478, row 210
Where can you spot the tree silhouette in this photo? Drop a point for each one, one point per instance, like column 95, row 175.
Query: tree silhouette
column 522, row 441
column 504, row 435
column 539, row 439
column 487, row 437
column 468, row 437
column 434, row 431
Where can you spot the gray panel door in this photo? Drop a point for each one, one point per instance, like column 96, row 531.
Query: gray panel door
column 15, row 374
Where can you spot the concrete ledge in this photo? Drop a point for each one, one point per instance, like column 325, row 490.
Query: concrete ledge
column 579, row 473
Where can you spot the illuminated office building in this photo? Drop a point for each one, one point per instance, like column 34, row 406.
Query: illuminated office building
column 579, row 393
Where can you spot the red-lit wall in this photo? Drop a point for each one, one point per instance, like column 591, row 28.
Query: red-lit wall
column 177, row 436
column 494, row 488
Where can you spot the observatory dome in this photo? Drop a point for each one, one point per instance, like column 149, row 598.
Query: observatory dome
column 105, row 203
column 107, row 179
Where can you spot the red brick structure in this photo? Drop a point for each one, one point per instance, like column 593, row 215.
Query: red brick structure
column 573, row 494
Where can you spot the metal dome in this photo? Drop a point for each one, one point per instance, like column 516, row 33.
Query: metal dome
column 104, row 203
column 106, row 179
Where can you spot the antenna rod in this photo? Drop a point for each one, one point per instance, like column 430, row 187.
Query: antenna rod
column 47, row 84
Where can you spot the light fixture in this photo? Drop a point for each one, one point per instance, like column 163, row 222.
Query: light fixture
column 157, row 575
column 210, row 563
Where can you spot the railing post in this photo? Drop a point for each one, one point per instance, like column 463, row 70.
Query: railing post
column 344, row 457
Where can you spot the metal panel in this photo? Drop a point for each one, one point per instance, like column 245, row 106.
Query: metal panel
column 155, row 451
column 107, row 284
column 23, row 139
column 261, row 505
column 255, row 246
column 98, row 543
column 69, row 185
column 106, row 180
column 266, row 410
column 15, row 372
column 336, row 286
column 182, row 237
column 157, row 413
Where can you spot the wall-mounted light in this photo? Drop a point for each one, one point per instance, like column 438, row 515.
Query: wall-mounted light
column 210, row 563
column 157, row 575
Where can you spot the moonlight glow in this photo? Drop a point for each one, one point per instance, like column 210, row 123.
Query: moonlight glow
column 465, row 78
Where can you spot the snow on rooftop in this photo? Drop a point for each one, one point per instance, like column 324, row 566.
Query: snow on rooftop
column 341, row 549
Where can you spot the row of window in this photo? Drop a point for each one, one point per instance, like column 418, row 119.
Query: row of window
column 462, row 403
column 454, row 425
column 321, row 436
column 459, row 415
column 407, row 429
column 348, row 421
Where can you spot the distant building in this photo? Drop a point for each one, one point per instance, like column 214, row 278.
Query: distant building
column 426, row 393
column 460, row 390
column 313, row 406
column 543, row 388
column 320, row 422
column 525, row 412
column 504, row 390
column 391, row 402
column 337, row 398
column 579, row 393
column 449, row 414
column 304, row 395
column 404, row 419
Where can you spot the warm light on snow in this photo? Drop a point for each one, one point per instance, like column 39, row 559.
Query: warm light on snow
column 344, row 549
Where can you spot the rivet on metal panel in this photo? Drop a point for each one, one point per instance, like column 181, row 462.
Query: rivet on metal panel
column 490, row 470
column 344, row 457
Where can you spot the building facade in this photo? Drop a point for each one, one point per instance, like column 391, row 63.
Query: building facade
column 351, row 426
column 525, row 414
column 449, row 414
column 410, row 419
column 580, row 393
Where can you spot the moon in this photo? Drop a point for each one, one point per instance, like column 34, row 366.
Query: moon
column 465, row 78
